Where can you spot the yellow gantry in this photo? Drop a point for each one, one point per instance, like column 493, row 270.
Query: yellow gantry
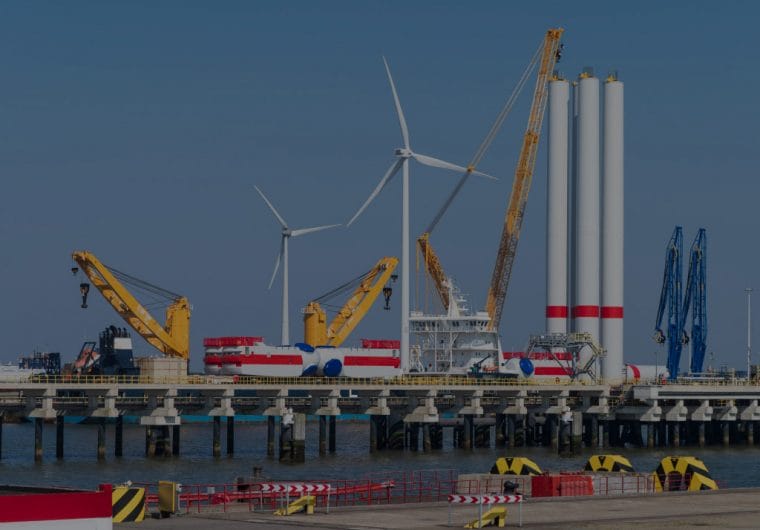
column 173, row 338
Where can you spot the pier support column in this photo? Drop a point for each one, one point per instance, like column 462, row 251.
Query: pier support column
column 500, row 437
column 322, row 435
column 606, row 434
column 2, row 419
column 650, row 434
column 701, row 434
column 426, row 445
column 413, row 436
column 676, row 434
column 298, row 446
column 467, row 434
column 510, row 431
column 102, row 439
column 216, row 441
column 59, row 437
column 118, row 439
column 552, row 423
column 594, row 438
column 373, row 434
column 230, row 435
column 270, row 434
column 150, row 442
column 37, row 439
column 175, row 440
column 331, row 435
column 749, row 427
column 436, row 436
column 726, row 428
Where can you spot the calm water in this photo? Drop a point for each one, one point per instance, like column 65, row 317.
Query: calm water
column 736, row 467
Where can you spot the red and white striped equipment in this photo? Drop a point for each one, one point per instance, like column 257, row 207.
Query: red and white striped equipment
column 295, row 488
column 485, row 499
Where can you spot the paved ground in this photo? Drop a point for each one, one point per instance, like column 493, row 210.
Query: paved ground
column 739, row 508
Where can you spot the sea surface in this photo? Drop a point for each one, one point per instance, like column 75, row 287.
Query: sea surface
column 734, row 467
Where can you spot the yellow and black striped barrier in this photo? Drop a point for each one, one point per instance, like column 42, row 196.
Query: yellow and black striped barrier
column 515, row 466
column 679, row 473
column 614, row 463
column 128, row 504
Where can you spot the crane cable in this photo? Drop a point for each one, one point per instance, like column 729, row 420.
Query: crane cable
column 489, row 138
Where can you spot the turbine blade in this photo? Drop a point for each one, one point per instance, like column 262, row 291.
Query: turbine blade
column 302, row 231
column 383, row 181
column 274, row 211
column 401, row 119
column 276, row 264
column 435, row 162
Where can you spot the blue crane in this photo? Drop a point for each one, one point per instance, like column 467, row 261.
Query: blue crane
column 670, row 296
column 696, row 300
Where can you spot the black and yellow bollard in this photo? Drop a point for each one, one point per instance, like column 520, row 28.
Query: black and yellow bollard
column 128, row 504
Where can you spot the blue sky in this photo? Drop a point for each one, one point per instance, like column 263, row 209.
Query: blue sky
column 137, row 130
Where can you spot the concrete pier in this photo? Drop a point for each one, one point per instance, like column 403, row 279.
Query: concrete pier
column 406, row 414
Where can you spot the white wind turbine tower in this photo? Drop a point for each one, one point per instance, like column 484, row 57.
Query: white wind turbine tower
column 287, row 233
column 403, row 154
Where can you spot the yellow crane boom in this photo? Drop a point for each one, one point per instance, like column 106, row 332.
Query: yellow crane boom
column 173, row 338
column 371, row 284
column 510, row 235
column 431, row 261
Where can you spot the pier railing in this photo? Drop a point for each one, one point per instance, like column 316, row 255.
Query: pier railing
column 387, row 488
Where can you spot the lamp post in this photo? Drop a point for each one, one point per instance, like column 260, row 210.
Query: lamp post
column 748, row 290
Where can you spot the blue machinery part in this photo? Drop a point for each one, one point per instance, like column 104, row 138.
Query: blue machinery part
column 670, row 296
column 695, row 300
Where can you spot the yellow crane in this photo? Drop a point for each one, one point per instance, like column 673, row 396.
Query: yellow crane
column 430, row 259
column 366, row 288
column 173, row 338
column 510, row 234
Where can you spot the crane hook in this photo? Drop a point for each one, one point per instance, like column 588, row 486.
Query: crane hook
column 84, row 288
column 387, row 292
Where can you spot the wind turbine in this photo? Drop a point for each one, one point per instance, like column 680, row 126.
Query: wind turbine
column 287, row 233
column 403, row 154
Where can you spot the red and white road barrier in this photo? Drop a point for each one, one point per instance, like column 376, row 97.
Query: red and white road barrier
column 484, row 499
column 294, row 488
column 480, row 500
column 289, row 487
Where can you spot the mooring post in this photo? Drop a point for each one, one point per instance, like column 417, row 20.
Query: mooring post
column 216, row 437
column 118, row 448
column 230, row 435
column 37, row 439
column 332, row 434
column 101, row 439
column 59, row 436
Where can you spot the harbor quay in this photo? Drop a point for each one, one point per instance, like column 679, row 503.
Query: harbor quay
column 732, row 508
column 409, row 413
